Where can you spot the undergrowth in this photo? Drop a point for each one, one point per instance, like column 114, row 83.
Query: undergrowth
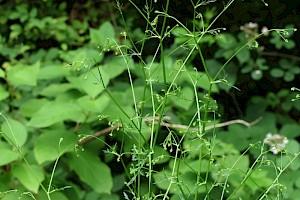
column 166, row 125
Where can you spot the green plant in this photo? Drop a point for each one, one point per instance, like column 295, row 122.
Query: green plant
column 115, row 115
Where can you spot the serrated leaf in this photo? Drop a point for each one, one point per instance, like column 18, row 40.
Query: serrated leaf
column 14, row 132
column 91, row 171
column 23, row 74
column 7, row 154
column 54, row 112
column 52, row 144
column 30, row 176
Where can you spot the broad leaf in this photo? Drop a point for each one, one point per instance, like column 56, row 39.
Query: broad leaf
column 91, row 82
column 100, row 36
column 52, row 144
column 7, row 154
column 23, row 74
column 91, row 171
column 3, row 93
column 30, row 176
column 14, row 132
column 54, row 112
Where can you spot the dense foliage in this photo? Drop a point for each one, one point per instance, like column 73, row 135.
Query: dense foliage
column 131, row 100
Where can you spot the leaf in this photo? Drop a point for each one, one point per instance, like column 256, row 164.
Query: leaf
column 54, row 112
column 115, row 66
column 91, row 171
column 14, row 132
column 89, row 104
column 257, row 74
column 55, row 89
column 52, row 144
column 30, row 176
column 290, row 130
column 277, row 73
column 226, row 41
column 100, row 36
column 184, row 99
column 30, row 107
column 243, row 56
column 7, row 155
column 22, row 74
column 52, row 70
column 3, row 93
column 91, row 83
column 84, row 57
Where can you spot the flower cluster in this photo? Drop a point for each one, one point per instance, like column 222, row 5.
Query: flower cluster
column 276, row 142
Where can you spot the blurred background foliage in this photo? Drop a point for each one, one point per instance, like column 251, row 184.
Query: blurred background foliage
column 45, row 97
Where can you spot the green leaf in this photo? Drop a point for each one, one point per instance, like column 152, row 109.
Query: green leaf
column 7, row 154
column 100, row 36
column 3, row 93
column 256, row 74
column 52, row 70
column 288, row 76
column 2, row 73
column 84, row 57
column 226, row 41
column 54, row 112
column 184, row 99
column 22, row 74
column 14, row 132
column 30, row 176
column 91, row 171
column 290, row 130
column 30, row 107
column 115, row 66
column 91, row 83
column 243, row 56
column 277, row 73
column 52, row 144
column 55, row 89
column 89, row 104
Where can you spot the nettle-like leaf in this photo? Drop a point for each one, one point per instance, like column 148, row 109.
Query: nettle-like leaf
column 91, row 170
column 54, row 112
column 14, row 132
column 30, row 176
column 23, row 74
column 52, row 144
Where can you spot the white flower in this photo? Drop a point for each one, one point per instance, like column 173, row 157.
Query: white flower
column 276, row 142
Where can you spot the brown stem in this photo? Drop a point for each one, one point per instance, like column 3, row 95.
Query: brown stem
column 169, row 125
column 277, row 54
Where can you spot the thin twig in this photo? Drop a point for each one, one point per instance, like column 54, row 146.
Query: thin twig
column 282, row 55
column 169, row 125
column 99, row 133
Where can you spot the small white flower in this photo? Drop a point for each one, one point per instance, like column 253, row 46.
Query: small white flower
column 265, row 30
column 276, row 142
